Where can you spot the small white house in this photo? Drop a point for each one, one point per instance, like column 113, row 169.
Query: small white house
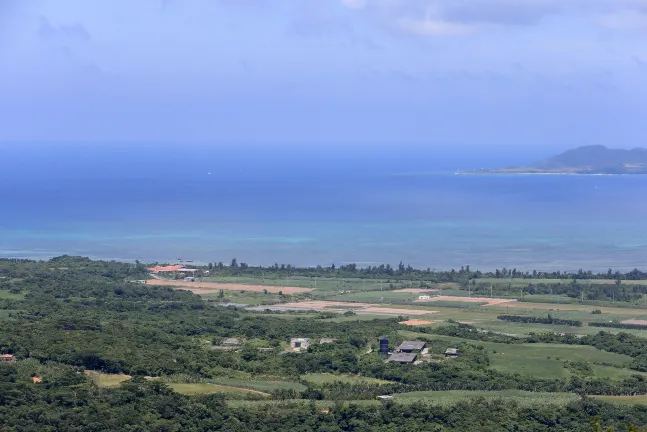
column 424, row 297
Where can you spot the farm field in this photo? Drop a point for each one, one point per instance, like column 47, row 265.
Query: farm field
column 211, row 287
column 260, row 385
column 437, row 398
column 624, row 400
column 107, row 380
column 539, row 360
column 195, row 389
column 321, row 378
column 340, row 307
column 452, row 397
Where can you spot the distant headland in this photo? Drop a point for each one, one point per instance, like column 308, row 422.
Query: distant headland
column 594, row 159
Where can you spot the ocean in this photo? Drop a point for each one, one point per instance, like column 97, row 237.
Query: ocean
column 268, row 205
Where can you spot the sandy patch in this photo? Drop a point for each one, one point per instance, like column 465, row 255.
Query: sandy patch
column 416, row 290
column 210, row 287
column 488, row 301
column 634, row 321
column 416, row 322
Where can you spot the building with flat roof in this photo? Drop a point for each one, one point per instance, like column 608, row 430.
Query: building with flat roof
column 410, row 346
column 451, row 352
column 403, row 358
column 327, row 340
column 299, row 343
column 232, row 341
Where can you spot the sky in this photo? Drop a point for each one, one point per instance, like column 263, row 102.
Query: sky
column 493, row 74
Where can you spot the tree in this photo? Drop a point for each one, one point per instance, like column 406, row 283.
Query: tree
column 234, row 263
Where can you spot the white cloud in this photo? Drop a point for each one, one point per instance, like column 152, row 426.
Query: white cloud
column 354, row 4
column 451, row 17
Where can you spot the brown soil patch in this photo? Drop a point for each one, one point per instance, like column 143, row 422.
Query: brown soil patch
column 210, row 287
column 416, row 290
column 488, row 301
column 416, row 322
column 634, row 321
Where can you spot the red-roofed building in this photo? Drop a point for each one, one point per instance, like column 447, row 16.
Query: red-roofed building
column 7, row 358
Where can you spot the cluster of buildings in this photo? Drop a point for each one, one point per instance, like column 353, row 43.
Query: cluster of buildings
column 412, row 352
column 189, row 274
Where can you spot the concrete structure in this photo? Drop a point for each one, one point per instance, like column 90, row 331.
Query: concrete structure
column 403, row 358
column 300, row 343
column 7, row 358
column 424, row 297
column 411, row 346
column 451, row 352
column 385, row 397
column 327, row 341
column 232, row 341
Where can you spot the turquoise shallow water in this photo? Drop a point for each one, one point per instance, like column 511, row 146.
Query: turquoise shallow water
column 292, row 215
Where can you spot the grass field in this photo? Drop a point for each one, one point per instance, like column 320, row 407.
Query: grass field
column 106, row 380
column 196, row 389
column 6, row 295
column 538, row 360
column 625, row 400
column 321, row 378
column 442, row 398
column 258, row 384
column 452, row 397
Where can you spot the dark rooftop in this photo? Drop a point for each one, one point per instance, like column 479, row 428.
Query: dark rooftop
column 402, row 357
column 411, row 345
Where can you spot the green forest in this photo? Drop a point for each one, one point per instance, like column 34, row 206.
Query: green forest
column 71, row 325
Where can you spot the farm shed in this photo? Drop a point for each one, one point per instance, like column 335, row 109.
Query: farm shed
column 410, row 346
column 402, row 358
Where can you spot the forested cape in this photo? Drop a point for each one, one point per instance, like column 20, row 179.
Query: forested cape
column 69, row 315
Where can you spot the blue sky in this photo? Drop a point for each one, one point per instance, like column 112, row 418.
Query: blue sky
column 489, row 73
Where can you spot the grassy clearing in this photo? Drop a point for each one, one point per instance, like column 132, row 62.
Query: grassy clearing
column 259, row 385
column 538, row 360
column 624, row 400
column 452, row 397
column 106, row 380
column 195, row 389
column 322, row 378
column 614, row 373
column 6, row 295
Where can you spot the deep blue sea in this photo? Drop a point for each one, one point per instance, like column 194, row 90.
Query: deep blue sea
column 309, row 207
